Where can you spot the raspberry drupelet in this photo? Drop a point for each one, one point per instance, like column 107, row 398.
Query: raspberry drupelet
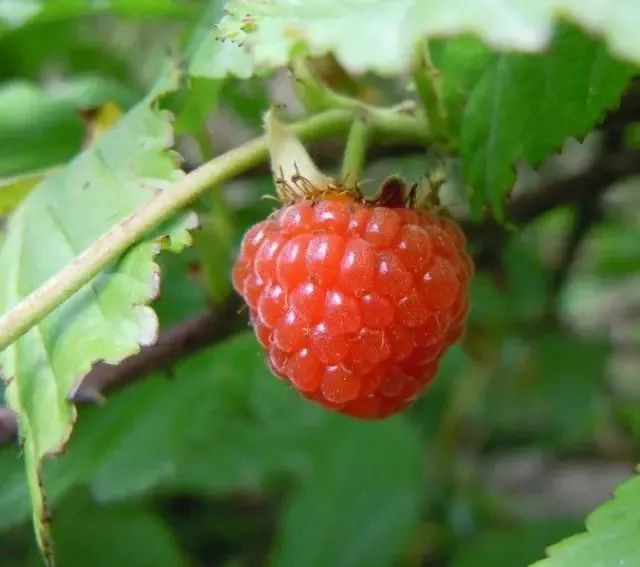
column 355, row 302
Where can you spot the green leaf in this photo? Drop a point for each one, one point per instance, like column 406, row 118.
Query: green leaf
column 521, row 292
column 203, row 93
column 268, row 34
column 14, row 492
column 524, row 106
column 248, row 99
column 89, row 91
column 615, row 249
column 108, row 318
column 182, row 293
column 224, row 423
column 113, row 535
column 28, row 51
column 611, row 537
column 550, row 390
column 221, row 423
column 37, row 130
column 360, row 501
column 197, row 105
column 512, row 546
column 461, row 62
column 209, row 58
column 215, row 243
column 16, row 13
column 41, row 128
column 14, row 189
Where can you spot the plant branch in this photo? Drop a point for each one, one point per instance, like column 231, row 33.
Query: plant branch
column 115, row 242
column 209, row 327
column 427, row 83
column 574, row 190
column 583, row 187
column 587, row 214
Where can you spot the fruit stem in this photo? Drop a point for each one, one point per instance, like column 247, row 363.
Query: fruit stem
column 391, row 124
column 356, row 150
column 313, row 93
column 428, row 86
column 315, row 96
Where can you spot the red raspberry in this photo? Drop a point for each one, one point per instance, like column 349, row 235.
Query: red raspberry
column 355, row 303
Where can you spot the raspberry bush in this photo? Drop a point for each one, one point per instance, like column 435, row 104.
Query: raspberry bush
column 453, row 287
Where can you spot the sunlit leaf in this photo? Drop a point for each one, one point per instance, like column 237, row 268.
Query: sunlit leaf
column 108, row 318
column 611, row 537
column 267, row 34
column 14, row 189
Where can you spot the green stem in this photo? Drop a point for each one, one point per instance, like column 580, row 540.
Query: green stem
column 214, row 243
column 315, row 96
column 115, row 241
column 313, row 93
column 356, row 150
column 427, row 83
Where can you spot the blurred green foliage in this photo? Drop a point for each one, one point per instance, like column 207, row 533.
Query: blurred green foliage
column 216, row 462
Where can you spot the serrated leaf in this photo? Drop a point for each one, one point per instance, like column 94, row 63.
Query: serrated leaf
column 209, row 58
column 359, row 503
column 524, row 106
column 611, row 537
column 267, row 34
column 461, row 62
column 108, row 318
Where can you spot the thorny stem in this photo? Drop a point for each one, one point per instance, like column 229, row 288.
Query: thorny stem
column 115, row 241
column 355, row 151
